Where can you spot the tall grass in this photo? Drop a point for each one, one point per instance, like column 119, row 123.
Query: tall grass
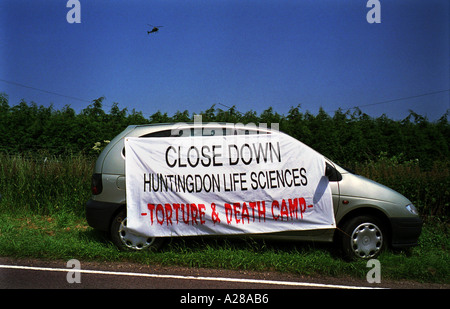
column 44, row 185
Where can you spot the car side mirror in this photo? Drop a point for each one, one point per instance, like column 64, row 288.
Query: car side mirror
column 332, row 173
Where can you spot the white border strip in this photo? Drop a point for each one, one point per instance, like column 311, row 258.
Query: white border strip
column 254, row 281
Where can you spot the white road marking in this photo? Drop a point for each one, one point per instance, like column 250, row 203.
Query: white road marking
column 222, row 279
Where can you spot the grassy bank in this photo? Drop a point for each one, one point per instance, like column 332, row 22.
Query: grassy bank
column 67, row 236
column 42, row 216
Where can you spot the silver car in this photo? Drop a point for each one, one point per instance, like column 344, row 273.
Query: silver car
column 369, row 216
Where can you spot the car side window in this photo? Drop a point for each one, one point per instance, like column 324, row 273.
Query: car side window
column 163, row 133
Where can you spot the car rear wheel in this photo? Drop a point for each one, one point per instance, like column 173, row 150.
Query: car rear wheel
column 363, row 237
column 126, row 240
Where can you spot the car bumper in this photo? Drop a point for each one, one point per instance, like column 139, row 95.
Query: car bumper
column 405, row 231
column 100, row 214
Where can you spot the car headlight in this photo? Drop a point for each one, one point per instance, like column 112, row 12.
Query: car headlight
column 412, row 209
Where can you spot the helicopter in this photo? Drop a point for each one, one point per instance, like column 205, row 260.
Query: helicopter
column 154, row 29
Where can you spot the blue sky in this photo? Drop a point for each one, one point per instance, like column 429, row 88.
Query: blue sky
column 253, row 54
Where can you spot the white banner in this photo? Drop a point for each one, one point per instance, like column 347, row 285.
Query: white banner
column 180, row 186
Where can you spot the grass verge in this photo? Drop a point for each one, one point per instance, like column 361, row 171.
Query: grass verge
column 66, row 236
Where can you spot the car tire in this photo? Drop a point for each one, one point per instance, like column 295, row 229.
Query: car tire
column 125, row 240
column 363, row 237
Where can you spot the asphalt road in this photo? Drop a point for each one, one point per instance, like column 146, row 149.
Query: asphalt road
column 37, row 274
column 26, row 277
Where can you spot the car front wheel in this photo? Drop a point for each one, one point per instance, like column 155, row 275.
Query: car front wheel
column 363, row 237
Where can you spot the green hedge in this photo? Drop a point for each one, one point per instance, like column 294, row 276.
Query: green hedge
column 343, row 137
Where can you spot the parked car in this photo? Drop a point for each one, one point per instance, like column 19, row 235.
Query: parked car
column 369, row 216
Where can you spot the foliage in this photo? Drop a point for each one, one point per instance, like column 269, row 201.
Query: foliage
column 41, row 146
column 344, row 137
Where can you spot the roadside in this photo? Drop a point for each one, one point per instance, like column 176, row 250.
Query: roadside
column 43, row 239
